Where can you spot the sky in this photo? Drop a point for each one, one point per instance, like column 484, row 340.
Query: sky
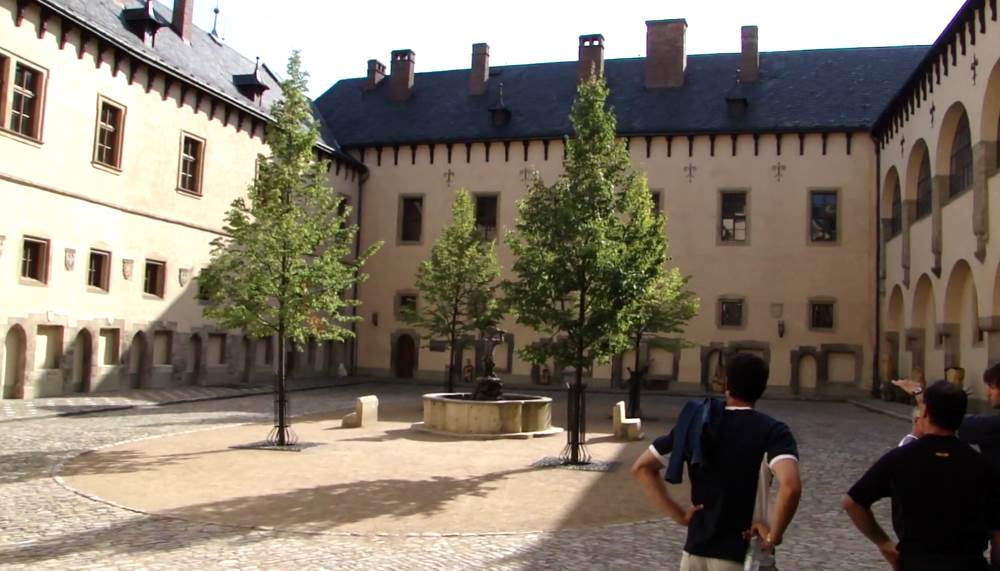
column 337, row 38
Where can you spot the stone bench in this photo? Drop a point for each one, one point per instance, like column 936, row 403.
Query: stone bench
column 365, row 413
column 624, row 427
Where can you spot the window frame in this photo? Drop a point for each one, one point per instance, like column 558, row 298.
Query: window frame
column 726, row 299
column 161, row 286
column 397, row 305
column 719, row 240
column 199, row 174
column 809, row 217
column 833, row 314
column 104, row 280
column 496, row 214
column 896, row 213
column 960, row 162
column 45, row 261
column 119, row 134
column 401, row 214
column 9, row 63
column 925, row 189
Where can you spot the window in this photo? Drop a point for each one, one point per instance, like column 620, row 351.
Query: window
column 24, row 98
column 656, row 202
column 823, row 216
column 733, row 218
column 924, row 190
column 153, row 278
column 98, row 269
column 35, row 259
column 412, row 219
column 108, row 346
column 343, row 206
column 110, row 130
column 896, row 216
column 961, row 159
column 731, row 313
column 821, row 315
column 192, row 155
column 405, row 301
column 486, row 216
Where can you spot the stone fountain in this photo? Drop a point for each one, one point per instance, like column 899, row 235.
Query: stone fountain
column 487, row 412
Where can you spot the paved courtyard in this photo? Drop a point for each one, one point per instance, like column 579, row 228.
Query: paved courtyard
column 45, row 525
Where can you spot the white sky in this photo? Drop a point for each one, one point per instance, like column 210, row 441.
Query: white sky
column 337, row 38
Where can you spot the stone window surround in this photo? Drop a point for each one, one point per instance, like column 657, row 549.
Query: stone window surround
column 8, row 63
column 46, row 269
column 399, row 219
column 104, row 281
column 161, row 290
column 116, row 166
column 743, row 313
column 397, row 301
column 199, row 174
column 746, row 217
column 825, row 300
column 838, row 230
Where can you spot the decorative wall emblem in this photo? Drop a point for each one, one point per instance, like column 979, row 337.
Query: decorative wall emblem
column 2, row 239
column 526, row 174
column 449, row 175
column 689, row 171
column 184, row 276
column 127, row 268
column 778, row 169
column 70, row 259
column 974, row 67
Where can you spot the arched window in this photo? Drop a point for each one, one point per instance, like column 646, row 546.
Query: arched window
column 961, row 159
column 924, row 189
column 896, row 221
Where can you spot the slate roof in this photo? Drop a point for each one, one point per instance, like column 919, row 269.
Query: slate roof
column 206, row 61
column 808, row 90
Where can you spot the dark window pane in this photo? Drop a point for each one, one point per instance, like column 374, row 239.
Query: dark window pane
column 34, row 256
column 108, row 135
column 190, row 165
column 734, row 219
column 821, row 316
column 153, row 278
column 961, row 159
column 656, row 203
column 731, row 313
column 924, row 203
column 412, row 219
column 896, row 222
column 23, row 112
column 823, row 223
column 97, row 269
column 486, row 216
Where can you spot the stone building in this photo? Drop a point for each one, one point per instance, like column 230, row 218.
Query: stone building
column 820, row 199
column 126, row 132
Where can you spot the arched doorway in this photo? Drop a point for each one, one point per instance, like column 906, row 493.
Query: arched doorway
column 894, row 334
column 13, row 363
column 195, row 360
column 715, row 371
column 406, row 356
column 82, row 360
column 961, row 314
column 138, row 361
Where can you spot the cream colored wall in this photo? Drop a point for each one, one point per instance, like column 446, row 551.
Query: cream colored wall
column 979, row 97
column 778, row 265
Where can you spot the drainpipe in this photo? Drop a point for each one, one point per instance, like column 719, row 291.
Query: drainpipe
column 357, row 253
column 876, row 382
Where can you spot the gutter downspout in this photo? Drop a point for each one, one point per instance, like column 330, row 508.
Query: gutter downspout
column 357, row 252
column 876, row 381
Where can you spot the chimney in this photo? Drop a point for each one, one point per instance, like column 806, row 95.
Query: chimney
column 479, row 75
column 401, row 78
column 183, row 19
column 750, row 60
column 591, row 58
column 376, row 73
column 666, row 58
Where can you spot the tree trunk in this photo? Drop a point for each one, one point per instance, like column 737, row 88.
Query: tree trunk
column 633, row 410
column 281, row 400
column 577, row 407
column 449, row 369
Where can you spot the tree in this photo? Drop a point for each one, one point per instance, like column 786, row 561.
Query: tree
column 286, row 260
column 457, row 284
column 664, row 308
column 585, row 249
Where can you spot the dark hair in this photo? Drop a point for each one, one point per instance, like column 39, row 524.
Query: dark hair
column 946, row 404
column 746, row 376
column 992, row 375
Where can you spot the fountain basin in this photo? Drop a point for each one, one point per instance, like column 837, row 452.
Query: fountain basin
column 516, row 416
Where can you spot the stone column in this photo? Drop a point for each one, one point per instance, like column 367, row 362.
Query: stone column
column 909, row 214
column 983, row 165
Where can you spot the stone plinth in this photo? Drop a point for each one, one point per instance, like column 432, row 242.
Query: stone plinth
column 516, row 416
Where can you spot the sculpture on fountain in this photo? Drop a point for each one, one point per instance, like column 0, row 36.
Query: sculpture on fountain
column 489, row 386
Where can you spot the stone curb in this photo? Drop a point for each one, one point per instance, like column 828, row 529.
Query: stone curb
column 880, row 410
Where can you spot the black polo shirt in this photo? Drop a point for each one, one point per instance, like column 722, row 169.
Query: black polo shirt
column 983, row 430
column 946, row 500
column 727, row 484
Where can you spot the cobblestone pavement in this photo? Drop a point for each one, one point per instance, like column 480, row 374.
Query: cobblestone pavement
column 45, row 526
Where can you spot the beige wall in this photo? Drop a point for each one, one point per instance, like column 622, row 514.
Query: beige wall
column 961, row 276
column 778, row 265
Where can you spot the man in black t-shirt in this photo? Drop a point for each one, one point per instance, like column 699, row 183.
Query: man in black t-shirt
column 946, row 503
column 724, row 486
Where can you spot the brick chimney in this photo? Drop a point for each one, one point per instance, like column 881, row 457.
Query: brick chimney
column 376, row 73
column 183, row 22
column 591, row 58
column 479, row 75
column 401, row 77
column 750, row 58
column 666, row 58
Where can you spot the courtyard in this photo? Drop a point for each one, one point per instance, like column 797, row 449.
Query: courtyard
column 161, row 487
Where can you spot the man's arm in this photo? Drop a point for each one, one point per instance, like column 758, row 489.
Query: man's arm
column 864, row 520
column 646, row 472
column 786, row 471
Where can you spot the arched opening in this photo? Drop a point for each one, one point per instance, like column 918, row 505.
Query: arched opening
column 808, row 372
column 82, row 361
column 962, row 312
column 14, row 357
column 919, row 184
column 894, row 326
column 924, row 318
column 960, row 164
column 138, row 361
column 715, row 371
column 892, row 204
column 989, row 127
column 406, row 356
column 195, row 359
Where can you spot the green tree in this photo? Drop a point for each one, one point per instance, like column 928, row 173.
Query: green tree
column 664, row 308
column 586, row 247
column 457, row 284
column 286, row 261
